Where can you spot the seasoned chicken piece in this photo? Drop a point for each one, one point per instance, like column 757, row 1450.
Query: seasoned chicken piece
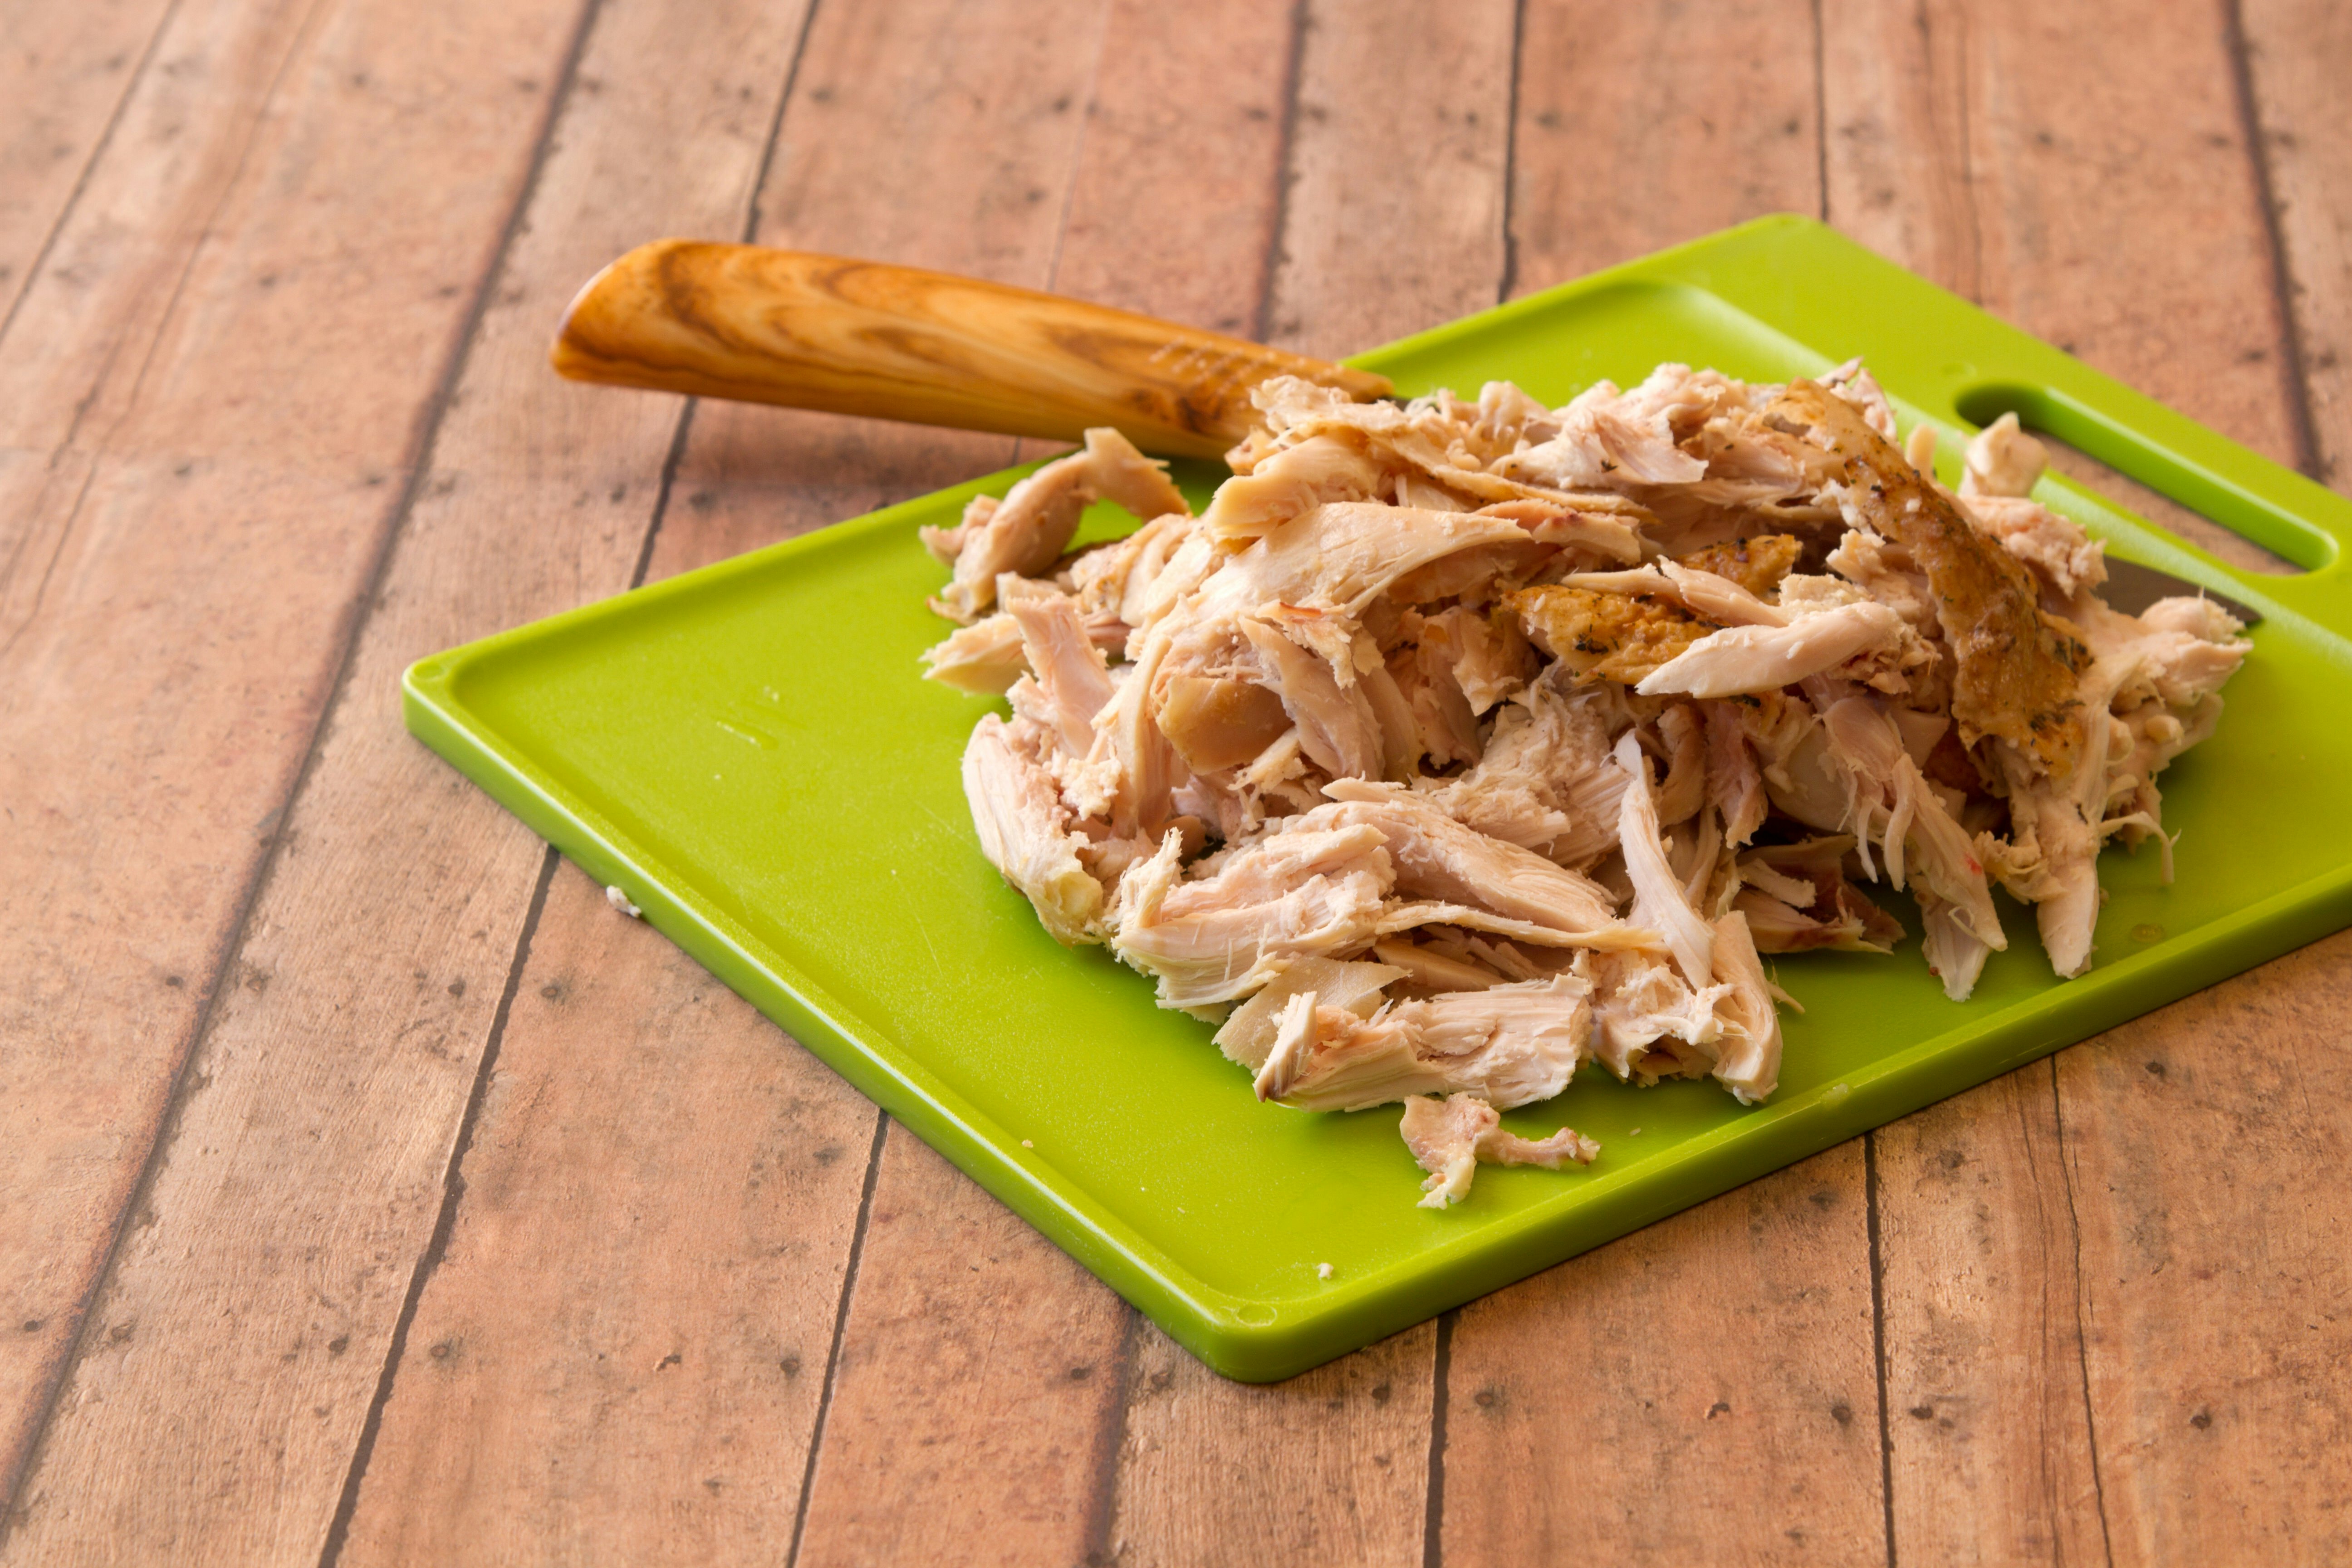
column 1343, row 555
column 1740, row 660
column 1450, row 1137
column 986, row 657
column 1658, row 901
column 2015, row 669
column 1512, row 1044
column 1683, row 737
column 2169, row 662
column 1337, row 728
column 2060, row 553
column 1429, row 967
column 1132, row 751
column 1028, row 531
column 1647, row 1025
column 1701, row 594
column 983, row 659
column 1427, row 435
column 1610, row 637
column 1892, row 804
column 1067, row 666
column 1587, row 535
column 1486, row 655
column 1219, row 724
column 1114, row 579
column 1444, row 726
column 1025, row 830
column 1735, row 783
column 1756, row 563
column 1605, row 440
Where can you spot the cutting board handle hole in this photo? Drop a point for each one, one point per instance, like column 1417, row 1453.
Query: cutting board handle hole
column 2139, row 476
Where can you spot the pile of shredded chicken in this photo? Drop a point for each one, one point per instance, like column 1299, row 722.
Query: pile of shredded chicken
column 1458, row 743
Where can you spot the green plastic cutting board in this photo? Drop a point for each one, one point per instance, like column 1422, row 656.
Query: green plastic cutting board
column 749, row 753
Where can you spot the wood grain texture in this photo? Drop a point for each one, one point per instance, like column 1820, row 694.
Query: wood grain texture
column 1328, row 1468
column 619, row 1356
column 65, row 72
column 2080, row 172
column 1174, row 206
column 980, row 1385
column 306, row 1175
column 1991, row 1456
column 972, row 136
column 189, row 517
column 1703, row 1390
column 2088, row 177
column 884, row 341
column 2202, row 1147
column 1400, row 135
column 1643, row 126
column 2298, row 57
column 746, row 477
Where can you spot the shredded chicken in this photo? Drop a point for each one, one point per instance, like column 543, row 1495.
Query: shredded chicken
column 1457, row 743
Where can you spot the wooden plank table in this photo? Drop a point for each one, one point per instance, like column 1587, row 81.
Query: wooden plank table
column 369, row 1192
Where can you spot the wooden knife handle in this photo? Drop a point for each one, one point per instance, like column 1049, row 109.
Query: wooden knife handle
column 759, row 325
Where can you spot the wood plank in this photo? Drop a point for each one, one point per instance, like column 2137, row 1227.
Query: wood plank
column 1728, row 1352
column 2298, row 55
column 2204, row 1147
column 1635, row 135
column 1328, row 1468
column 1991, row 1456
column 1400, row 146
column 171, row 453
column 746, row 477
column 1174, row 206
column 1699, row 1391
column 306, row 1175
column 2118, row 213
column 2000, row 150
column 976, row 1403
column 620, row 1354
column 65, row 71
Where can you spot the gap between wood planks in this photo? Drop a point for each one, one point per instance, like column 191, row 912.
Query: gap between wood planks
column 2294, row 384
column 453, row 1182
column 98, row 149
column 347, row 637
column 453, row 1191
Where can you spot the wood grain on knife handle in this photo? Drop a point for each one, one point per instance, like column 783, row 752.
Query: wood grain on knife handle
column 760, row 325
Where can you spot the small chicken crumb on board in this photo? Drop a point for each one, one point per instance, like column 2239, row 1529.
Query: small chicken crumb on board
column 1459, row 743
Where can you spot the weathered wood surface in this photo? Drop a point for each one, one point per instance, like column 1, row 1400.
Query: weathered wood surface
column 2093, row 178
column 193, row 510
column 372, row 1191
